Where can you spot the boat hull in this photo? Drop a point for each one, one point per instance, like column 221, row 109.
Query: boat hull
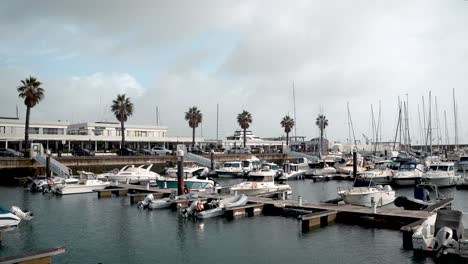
column 406, row 181
column 447, row 181
column 380, row 198
column 79, row 188
column 9, row 220
column 258, row 191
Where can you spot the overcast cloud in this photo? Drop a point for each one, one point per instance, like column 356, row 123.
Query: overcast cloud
column 240, row 55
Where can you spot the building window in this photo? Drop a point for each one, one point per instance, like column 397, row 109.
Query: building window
column 2, row 130
column 53, row 131
column 33, row 130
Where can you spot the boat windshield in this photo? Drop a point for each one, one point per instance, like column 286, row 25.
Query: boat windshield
column 231, row 165
column 464, row 159
column 260, row 179
column 441, row 168
column 407, row 166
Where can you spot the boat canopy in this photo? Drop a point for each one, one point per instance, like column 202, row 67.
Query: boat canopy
column 4, row 211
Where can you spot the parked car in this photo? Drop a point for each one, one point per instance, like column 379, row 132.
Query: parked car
column 83, row 152
column 146, row 151
column 126, row 152
column 10, row 153
column 162, row 151
column 257, row 150
column 237, row 150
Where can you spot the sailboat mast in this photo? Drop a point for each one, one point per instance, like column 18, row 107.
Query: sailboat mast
column 352, row 128
column 447, row 140
column 437, row 123
column 373, row 127
column 424, row 123
column 421, row 135
column 429, row 124
column 398, row 125
column 407, row 123
column 217, row 121
column 455, row 117
column 295, row 118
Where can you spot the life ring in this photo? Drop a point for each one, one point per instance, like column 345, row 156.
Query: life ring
column 186, row 190
column 199, row 206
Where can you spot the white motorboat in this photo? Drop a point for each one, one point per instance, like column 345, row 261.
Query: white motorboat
column 218, row 207
column 151, row 203
column 321, row 168
column 88, row 182
column 381, row 174
column 194, row 183
column 132, row 174
column 348, row 168
column 291, row 171
column 238, row 168
column 365, row 193
column 189, row 172
column 44, row 184
column 409, row 173
column 12, row 217
column 463, row 164
column 442, row 233
column 442, row 174
column 260, row 182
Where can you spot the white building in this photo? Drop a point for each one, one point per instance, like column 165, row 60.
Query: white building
column 97, row 136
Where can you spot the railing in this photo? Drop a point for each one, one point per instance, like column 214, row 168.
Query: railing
column 55, row 166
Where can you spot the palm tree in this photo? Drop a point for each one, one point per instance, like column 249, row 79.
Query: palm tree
column 287, row 123
column 32, row 94
column 244, row 119
column 322, row 123
column 194, row 118
column 122, row 108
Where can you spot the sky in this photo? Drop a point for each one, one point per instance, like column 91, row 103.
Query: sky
column 241, row 55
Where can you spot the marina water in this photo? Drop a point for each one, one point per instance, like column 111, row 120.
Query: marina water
column 113, row 231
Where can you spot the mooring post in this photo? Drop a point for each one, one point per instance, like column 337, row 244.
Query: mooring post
column 299, row 198
column 212, row 160
column 373, row 205
column 48, row 163
column 354, row 163
column 180, row 172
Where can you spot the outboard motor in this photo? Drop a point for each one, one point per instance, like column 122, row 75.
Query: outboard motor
column 26, row 215
column 148, row 199
column 444, row 239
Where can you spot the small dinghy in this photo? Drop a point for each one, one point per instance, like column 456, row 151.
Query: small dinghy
column 222, row 205
column 422, row 198
column 151, row 203
column 12, row 217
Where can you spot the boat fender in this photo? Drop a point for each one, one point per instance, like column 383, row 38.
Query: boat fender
column 254, row 185
column 199, row 206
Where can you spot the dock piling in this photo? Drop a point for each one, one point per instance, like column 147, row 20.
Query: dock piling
column 317, row 219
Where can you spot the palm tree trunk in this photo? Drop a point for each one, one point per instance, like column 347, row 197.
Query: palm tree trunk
column 122, row 130
column 26, row 127
column 193, row 137
column 287, row 138
column 321, row 142
column 245, row 138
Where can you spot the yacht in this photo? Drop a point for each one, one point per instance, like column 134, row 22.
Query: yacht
column 189, row 172
column 260, row 182
column 442, row 174
column 132, row 174
column 349, row 167
column 238, row 168
column 365, row 193
column 194, row 183
column 88, row 182
column 408, row 173
column 382, row 173
column 321, row 168
column 239, row 135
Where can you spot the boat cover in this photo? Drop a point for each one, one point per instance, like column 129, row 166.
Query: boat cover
column 451, row 219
